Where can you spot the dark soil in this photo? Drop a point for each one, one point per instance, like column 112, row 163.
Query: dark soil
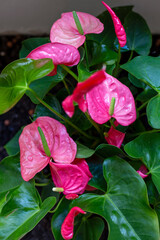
column 17, row 117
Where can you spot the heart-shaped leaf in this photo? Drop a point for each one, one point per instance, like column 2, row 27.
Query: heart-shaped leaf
column 153, row 112
column 21, row 210
column 139, row 37
column 146, row 69
column 125, row 205
column 83, row 151
column 10, row 176
column 12, row 147
column 16, row 78
column 147, row 148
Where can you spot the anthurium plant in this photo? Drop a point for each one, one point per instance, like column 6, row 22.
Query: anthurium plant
column 92, row 147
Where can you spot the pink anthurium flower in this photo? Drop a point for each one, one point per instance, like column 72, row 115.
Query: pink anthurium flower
column 73, row 178
column 68, row 224
column 32, row 156
column 119, row 29
column 64, row 30
column 58, row 52
column 142, row 171
column 100, row 89
column 114, row 137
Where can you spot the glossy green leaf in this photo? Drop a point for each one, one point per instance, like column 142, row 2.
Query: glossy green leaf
column 31, row 43
column 147, row 148
column 100, row 53
column 146, row 69
column 136, row 82
column 139, row 37
column 12, row 147
column 106, row 150
column 80, row 119
column 125, row 205
column 83, row 151
column 90, row 228
column 146, row 94
column 44, row 85
column 21, row 211
column 10, row 176
column 153, row 112
column 16, row 78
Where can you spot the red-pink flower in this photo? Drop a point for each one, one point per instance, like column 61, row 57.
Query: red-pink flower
column 143, row 171
column 58, row 52
column 119, row 29
column 96, row 93
column 73, row 178
column 114, row 137
column 68, row 224
column 64, row 30
column 32, row 156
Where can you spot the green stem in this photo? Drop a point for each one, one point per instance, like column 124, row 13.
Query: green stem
column 66, row 86
column 70, row 72
column 118, row 62
column 142, row 106
column 41, row 184
column 54, row 210
column 59, row 115
column 87, row 62
column 130, row 57
column 94, row 124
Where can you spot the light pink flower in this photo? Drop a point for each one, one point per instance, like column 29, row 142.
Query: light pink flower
column 64, row 30
column 58, row 52
column 73, row 178
column 142, row 171
column 68, row 224
column 32, row 156
column 99, row 89
column 119, row 29
column 114, row 137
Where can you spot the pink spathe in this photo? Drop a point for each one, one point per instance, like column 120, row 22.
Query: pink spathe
column 119, row 29
column 58, row 52
column 96, row 93
column 68, row 224
column 73, row 178
column 32, row 156
column 143, row 171
column 64, row 30
column 115, row 137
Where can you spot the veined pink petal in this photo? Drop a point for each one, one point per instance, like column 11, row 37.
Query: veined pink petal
column 58, row 52
column 32, row 156
column 115, row 137
column 72, row 178
column 71, row 196
column 64, row 30
column 142, row 171
column 81, row 89
column 119, row 29
column 99, row 99
column 68, row 224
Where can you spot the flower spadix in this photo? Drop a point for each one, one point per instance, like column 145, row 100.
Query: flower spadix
column 68, row 224
column 119, row 29
column 96, row 94
column 58, row 52
column 32, row 155
column 65, row 30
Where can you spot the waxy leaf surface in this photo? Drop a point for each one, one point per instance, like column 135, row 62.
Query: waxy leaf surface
column 146, row 69
column 16, row 78
column 21, row 210
column 147, row 148
column 153, row 112
column 125, row 200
